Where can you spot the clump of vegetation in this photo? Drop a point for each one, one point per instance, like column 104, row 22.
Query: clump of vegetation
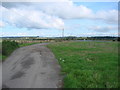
column 8, row 47
column 88, row 64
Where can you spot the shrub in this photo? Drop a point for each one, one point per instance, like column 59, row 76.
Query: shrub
column 8, row 47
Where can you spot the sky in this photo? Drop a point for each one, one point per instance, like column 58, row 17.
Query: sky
column 48, row 19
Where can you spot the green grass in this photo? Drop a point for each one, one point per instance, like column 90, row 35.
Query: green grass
column 2, row 57
column 88, row 64
column 27, row 44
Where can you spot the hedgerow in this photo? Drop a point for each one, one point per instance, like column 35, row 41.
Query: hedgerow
column 8, row 47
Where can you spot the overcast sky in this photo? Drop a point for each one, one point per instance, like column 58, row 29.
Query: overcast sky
column 47, row 19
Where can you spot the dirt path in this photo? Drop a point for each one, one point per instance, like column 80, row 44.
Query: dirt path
column 31, row 67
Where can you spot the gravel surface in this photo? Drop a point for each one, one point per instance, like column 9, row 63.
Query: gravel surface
column 32, row 66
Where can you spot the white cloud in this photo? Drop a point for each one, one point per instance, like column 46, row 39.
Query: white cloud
column 13, row 34
column 21, row 34
column 103, row 28
column 51, row 15
column 2, row 24
column 31, row 19
column 68, row 10
column 98, row 34
column 110, row 16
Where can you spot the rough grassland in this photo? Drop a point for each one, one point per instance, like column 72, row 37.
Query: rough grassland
column 88, row 64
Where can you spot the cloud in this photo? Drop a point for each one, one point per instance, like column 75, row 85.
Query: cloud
column 68, row 10
column 15, row 4
column 98, row 34
column 103, row 28
column 110, row 16
column 21, row 34
column 13, row 34
column 30, row 19
column 44, row 15
column 2, row 24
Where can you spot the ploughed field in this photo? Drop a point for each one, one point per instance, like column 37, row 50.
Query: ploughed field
column 87, row 64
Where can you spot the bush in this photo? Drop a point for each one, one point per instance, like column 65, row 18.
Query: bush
column 8, row 47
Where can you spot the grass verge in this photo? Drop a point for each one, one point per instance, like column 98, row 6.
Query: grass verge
column 27, row 44
column 88, row 64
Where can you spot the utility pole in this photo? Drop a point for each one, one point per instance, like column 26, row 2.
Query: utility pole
column 63, row 32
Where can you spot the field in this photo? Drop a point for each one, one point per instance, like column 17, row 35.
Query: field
column 88, row 64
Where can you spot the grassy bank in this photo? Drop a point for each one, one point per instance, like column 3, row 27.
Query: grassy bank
column 88, row 64
column 2, row 57
column 9, row 46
